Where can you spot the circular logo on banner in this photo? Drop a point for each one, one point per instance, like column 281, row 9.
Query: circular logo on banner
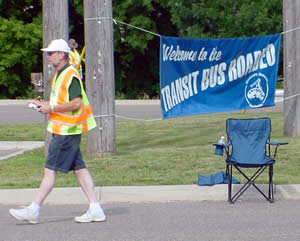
column 256, row 90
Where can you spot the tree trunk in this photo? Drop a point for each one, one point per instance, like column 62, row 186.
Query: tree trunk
column 291, row 19
column 100, row 80
column 55, row 26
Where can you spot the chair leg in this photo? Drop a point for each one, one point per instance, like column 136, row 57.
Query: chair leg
column 271, row 187
column 229, row 175
column 251, row 182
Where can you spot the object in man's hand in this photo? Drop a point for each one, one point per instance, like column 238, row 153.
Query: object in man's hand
column 33, row 106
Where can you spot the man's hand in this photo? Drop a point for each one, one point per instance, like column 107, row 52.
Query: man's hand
column 44, row 107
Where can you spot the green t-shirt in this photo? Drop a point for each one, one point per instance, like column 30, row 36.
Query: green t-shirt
column 74, row 88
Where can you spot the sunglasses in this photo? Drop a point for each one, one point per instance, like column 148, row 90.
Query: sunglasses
column 50, row 53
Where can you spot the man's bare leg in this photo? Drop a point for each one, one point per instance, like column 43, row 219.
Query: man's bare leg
column 31, row 212
column 95, row 212
column 46, row 186
column 87, row 184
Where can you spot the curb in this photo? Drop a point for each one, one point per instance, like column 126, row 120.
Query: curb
column 146, row 194
column 118, row 194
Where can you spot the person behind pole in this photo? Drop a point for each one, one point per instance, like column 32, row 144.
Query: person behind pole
column 74, row 56
column 70, row 115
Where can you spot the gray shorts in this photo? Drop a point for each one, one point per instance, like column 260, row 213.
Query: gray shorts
column 64, row 153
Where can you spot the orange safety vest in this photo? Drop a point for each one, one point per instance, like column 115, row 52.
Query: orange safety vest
column 69, row 123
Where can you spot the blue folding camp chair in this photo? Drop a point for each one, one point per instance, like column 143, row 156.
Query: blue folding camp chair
column 248, row 146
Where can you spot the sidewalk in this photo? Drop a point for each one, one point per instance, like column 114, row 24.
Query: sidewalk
column 13, row 148
column 144, row 194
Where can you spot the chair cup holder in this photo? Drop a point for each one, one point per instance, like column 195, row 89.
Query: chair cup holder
column 219, row 150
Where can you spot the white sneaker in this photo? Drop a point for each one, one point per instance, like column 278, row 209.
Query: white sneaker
column 92, row 215
column 25, row 214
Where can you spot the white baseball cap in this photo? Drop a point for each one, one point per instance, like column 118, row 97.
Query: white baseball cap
column 57, row 45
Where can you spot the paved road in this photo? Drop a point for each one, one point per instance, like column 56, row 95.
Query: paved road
column 252, row 220
column 18, row 112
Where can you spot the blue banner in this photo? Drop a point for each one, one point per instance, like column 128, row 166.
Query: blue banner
column 199, row 76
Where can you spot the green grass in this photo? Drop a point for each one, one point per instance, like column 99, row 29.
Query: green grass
column 170, row 151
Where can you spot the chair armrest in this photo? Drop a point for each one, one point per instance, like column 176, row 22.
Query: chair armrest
column 277, row 143
column 227, row 145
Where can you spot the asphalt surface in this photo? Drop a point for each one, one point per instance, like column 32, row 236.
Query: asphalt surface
column 173, row 221
column 16, row 111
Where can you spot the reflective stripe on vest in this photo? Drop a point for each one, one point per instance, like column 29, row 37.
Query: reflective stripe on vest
column 69, row 123
column 74, row 58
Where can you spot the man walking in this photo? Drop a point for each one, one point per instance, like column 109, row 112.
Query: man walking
column 70, row 115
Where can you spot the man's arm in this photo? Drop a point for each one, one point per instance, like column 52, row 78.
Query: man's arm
column 72, row 105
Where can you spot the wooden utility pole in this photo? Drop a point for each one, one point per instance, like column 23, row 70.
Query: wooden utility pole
column 291, row 55
column 55, row 26
column 100, row 80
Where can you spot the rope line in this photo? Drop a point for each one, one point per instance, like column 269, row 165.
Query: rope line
column 118, row 21
column 289, row 97
column 126, row 118
column 137, row 119
column 138, row 28
column 291, row 30
column 156, row 34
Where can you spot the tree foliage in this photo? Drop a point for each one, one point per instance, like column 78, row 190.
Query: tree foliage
column 76, row 21
column 136, row 51
column 226, row 18
column 21, row 36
